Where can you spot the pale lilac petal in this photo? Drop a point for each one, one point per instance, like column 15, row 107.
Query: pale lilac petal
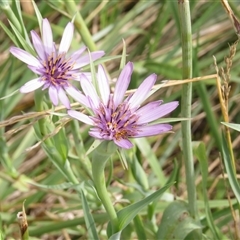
column 54, row 51
column 66, row 38
column 77, row 95
column 85, row 60
column 75, row 56
column 31, row 85
column 25, row 57
column 36, row 70
column 80, row 116
column 142, row 92
column 122, row 83
column 47, row 36
column 37, row 43
column 90, row 91
column 159, row 112
column 80, row 77
column 123, row 143
column 148, row 107
column 63, row 98
column 46, row 85
column 53, row 94
column 152, row 130
column 88, row 75
column 95, row 133
column 103, row 84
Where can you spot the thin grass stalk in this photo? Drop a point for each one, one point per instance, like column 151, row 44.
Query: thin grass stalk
column 224, row 111
column 186, row 35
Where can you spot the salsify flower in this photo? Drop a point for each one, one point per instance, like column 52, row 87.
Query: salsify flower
column 53, row 66
column 118, row 119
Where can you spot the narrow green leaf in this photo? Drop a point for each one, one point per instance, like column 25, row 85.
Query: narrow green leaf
column 10, row 35
column 24, row 43
column 65, row 185
column 38, row 14
column 169, row 120
column 139, row 228
column 201, row 156
column 127, row 214
column 116, row 236
column 232, row 125
column 164, row 69
column 18, row 6
column 90, row 224
column 94, row 145
column 138, row 173
column 123, row 59
column 146, row 150
column 123, row 158
column 174, row 173
column 9, row 95
column 176, row 222
column 229, row 169
column 61, row 143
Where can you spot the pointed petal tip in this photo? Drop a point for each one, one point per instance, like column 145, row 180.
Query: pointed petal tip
column 11, row 49
column 122, row 83
column 66, row 38
column 153, row 130
column 80, row 117
column 143, row 91
column 130, row 64
column 101, row 53
column 154, row 75
column 31, row 85
column 175, row 104
column 45, row 20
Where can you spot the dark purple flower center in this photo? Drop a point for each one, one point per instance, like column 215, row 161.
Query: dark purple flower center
column 57, row 70
column 116, row 123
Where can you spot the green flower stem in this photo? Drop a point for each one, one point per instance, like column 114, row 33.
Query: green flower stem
column 81, row 26
column 100, row 157
column 186, row 35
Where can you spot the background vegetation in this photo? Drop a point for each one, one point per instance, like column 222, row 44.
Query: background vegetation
column 151, row 30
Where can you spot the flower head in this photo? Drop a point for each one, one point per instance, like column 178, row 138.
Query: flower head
column 53, row 66
column 118, row 119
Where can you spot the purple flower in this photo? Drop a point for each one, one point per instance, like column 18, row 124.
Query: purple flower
column 54, row 68
column 118, row 119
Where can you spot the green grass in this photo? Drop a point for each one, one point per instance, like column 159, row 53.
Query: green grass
column 29, row 169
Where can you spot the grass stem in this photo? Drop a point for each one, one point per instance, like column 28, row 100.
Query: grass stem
column 186, row 35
